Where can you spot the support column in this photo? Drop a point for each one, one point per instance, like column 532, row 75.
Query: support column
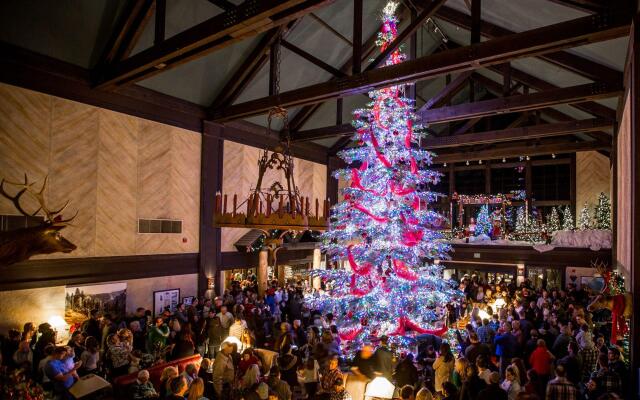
column 210, row 257
column 333, row 163
column 263, row 265
column 317, row 259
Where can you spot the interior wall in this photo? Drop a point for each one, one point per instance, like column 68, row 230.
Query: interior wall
column 113, row 168
column 38, row 305
column 593, row 176
column 624, row 222
column 240, row 175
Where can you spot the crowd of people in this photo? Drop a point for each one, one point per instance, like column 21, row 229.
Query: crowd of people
column 539, row 345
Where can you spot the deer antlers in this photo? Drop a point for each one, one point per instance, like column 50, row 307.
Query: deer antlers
column 52, row 216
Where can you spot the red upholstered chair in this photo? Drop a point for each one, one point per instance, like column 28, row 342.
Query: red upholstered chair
column 121, row 383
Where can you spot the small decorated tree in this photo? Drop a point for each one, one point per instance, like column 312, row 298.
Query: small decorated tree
column 585, row 218
column 521, row 220
column 567, row 219
column 553, row 220
column 603, row 212
column 483, row 223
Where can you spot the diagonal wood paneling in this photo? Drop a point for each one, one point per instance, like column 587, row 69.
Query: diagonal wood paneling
column 73, row 170
column 154, row 175
column 117, row 184
column 185, row 188
column 112, row 167
column 593, row 175
column 24, row 138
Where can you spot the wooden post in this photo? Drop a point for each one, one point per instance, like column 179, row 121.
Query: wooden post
column 263, row 265
column 224, row 205
column 235, row 204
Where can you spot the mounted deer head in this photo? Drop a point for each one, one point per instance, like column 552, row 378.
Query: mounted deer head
column 21, row 244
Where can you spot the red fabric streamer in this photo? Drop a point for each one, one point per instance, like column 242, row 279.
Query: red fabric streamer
column 405, row 323
column 357, row 291
column 412, row 238
column 356, row 183
column 359, row 270
column 407, row 138
column 410, row 220
column 374, row 217
column 619, row 323
column 403, row 271
column 349, row 334
column 416, row 203
column 414, row 166
column 399, row 190
column 364, row 166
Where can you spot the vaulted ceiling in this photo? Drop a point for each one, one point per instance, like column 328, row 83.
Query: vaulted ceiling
column 318, row 45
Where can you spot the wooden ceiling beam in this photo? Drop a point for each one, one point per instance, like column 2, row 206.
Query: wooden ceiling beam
column 521, row 102
column 567, row 34
column 429, row 8
column 134, row 20
column 249, row 68
column 524, row 149
column 445, row 95
column 588, row 6
column 307, row 111
column 575, row 63
column 312, row 59
column 322, row 133
column 248, row 19
column 518, row 133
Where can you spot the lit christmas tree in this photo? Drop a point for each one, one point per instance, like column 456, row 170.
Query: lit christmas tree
column 553, row 220
column 521, row 220
column 384, row 230
column 483, row 223
column 567, row 219
column 603, row 212
column 585, row 218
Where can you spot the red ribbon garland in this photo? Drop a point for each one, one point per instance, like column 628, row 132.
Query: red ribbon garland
column 401, row 269
column 405, row 323
column 399, row 190
column 356, row 183
column 360, row 270
column 367, row 212
column 349, row 334
column 412, row 238
column 357, row 291
column 410, row 220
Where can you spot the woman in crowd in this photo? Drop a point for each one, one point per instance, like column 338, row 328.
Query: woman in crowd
column 443, row 366
column 90, row 357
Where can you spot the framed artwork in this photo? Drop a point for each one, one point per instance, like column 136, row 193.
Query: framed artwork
column 109, row 298
column 188, row 300
column 165, row 298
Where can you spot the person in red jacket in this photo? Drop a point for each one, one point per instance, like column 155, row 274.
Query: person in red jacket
column 540, row 361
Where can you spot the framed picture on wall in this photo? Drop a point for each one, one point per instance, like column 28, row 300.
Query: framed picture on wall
column 163, row 299
column 188, row 300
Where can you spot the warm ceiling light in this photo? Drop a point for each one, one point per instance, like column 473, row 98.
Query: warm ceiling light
column 504, row 159
column 480, row 162
column 528, row 158
column 467, row 162
column 553, row 155
column 444, row 165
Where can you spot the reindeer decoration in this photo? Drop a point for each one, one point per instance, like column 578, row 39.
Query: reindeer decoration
column 620, row 304
column 45, row 238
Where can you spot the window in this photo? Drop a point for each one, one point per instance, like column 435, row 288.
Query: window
column 551, row 182
column 470, row 181
column 504, row 180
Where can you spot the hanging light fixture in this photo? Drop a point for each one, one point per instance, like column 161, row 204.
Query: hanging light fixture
column 504, row 159
column 480, row 162
column 553, row 155
column 444, row 165
column 467, row 162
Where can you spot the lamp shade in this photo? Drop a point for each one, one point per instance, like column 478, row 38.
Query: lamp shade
column 380, row 387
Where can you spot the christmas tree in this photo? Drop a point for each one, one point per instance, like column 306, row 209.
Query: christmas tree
column 483, row 223
column 585, row 218
column 553, row 220
column 384, row 229
column 567, row 219
column 603, row 212
column 521, row 220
